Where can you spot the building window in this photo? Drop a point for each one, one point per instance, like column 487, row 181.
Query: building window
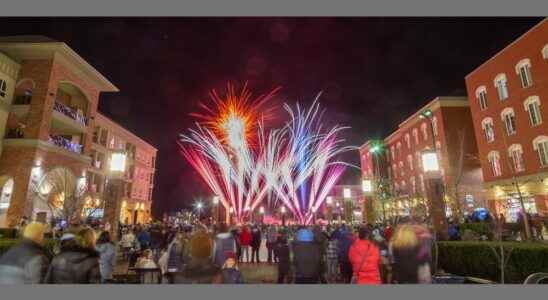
column 416, row 135
column 398, row 146
column 402, row 173
column 393, row 154
column 418, row 159
column 488, row 129
column 394, row 169
column 435, row 126
column 387, row 153
column 438, row 149
column 410, row 161
column 516, row 154
column 523, row 69
column 421, row 179
column 540, row 144
column 494, row 162
column 501, row 85
column 532, row 106
column 3, row 88
column 408, row 140
column 545, row 52
column 424, row 131
column 413, row 185
column 509, row 119
column 481, row 95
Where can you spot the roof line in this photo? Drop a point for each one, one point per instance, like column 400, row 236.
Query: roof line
column 127, row 131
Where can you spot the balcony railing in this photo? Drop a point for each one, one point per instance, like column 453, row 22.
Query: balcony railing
column 71, row 113
column 65, row 144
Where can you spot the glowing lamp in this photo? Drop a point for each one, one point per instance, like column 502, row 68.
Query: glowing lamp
column 231, row 210
column 124, row 204
column 118, row 162
column 430, row 164
column 367, row 186
column 329, row 200
column 215, row 200
column 283, row 209
column 347, row 193
column 261, row 210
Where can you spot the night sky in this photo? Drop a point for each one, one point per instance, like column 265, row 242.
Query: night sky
column 373, row 71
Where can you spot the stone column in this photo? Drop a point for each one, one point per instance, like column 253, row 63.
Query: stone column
column 114, row 192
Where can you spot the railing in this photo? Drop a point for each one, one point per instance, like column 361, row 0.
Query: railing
column 65, row 144
column 69, row 112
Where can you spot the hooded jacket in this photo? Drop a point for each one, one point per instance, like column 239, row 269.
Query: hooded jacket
column 245, row 237
column 26, row 262
column 74, row 265
column 306, row 255
column 223, row 244
column 365, row 258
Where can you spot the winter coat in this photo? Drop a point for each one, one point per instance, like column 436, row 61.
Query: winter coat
column 282, row 252
column 25, row 262
column 231, row 276
column 344, row 242
column 200, row 244
column 74, row 265
column 272, row 235
column 176, row 257
column 107, row 259
column 306, row 253
column 366, row 270
column 245, row 237
column 256, row 238
column 144, row 239
column 223, row 244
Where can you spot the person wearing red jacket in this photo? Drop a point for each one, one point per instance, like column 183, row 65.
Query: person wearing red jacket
column 245, row 242
column 364, row 255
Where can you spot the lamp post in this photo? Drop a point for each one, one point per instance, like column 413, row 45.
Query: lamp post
column 283, row 215
column 367, row 188
column 434, row 189
column 261, row 211
column 329, row 202
column 216, row 209
column 115, row 191
column 199, row 205
column 347, row 195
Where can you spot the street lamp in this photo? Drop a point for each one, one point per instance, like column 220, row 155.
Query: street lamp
column 283, row 215
column 199, row 205
column 435, row 192
column 261, row 211
column 216, row 208
column 347, row 195
column 115, row 190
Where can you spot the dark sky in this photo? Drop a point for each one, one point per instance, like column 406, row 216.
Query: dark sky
column 374, row 71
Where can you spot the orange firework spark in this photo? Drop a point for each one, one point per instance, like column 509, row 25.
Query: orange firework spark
column 234, row 118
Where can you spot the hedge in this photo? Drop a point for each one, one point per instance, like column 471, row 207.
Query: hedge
column 479, row 228
column 477, row 259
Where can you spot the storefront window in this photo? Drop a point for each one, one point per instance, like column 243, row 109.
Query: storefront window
column 513, row 208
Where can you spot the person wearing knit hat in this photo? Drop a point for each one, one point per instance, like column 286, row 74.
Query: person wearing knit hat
column 27, row 262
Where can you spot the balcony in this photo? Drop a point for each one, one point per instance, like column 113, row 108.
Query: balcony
column 64, row 143
column 71, row 113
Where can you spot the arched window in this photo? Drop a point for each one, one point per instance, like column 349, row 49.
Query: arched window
column 501, row 85
column 402, row 171
column 421, row 179
column 410, row 161
column 398, row 146
column 408, row 140
column 545, row 52
column 523, row 69
column 438, row 149
column 416, row 135
column 540, row 144
column 392, row 151
column 418, row 160
column 435, row 126
column 6, row 191
column 515, row 151
column 509, row 118
column 488, row 129
column 494, row 161
column 532, row 106
column 413, row 185
column 481, row 95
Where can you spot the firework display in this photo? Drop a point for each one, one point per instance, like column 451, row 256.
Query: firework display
column 242, row 162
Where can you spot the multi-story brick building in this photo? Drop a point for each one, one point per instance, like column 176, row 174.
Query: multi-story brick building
column 50, row 97
column 508, row 97
column 108, row 136
column 398, row 158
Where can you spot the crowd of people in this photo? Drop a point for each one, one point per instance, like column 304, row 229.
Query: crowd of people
column 364, row 254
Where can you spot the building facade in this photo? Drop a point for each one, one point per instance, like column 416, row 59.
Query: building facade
column 396, row 160
column 344, row 202
column 48, row 114
column 508, row 99
column 109, row 137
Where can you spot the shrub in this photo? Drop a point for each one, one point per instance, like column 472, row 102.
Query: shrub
column 478, row 228
column 477, row 259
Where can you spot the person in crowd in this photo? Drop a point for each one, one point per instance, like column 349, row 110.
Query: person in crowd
column 230, row 274
column 453, row 232
column 26, row 262
column 321, row 239
column 388, row 232
column 236, row 235
column 364, row 256
column 245, row 242
column 344, row 241
column 223, row 243
column 200, row 246
column 271, row 239
column 281, row 250
column 385, row 264
column 107, row 256
column 146, row 261
column 332, row 259
column 78, row 261
column 411, row 252
column 307, row 257
column 127, row 242
column 143, row 236
column 256, row 240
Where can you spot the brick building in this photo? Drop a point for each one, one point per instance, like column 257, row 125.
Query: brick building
column 340, row 197
column 398, row 159
column 50, row 99
column 508, row 98
column 108, row 136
